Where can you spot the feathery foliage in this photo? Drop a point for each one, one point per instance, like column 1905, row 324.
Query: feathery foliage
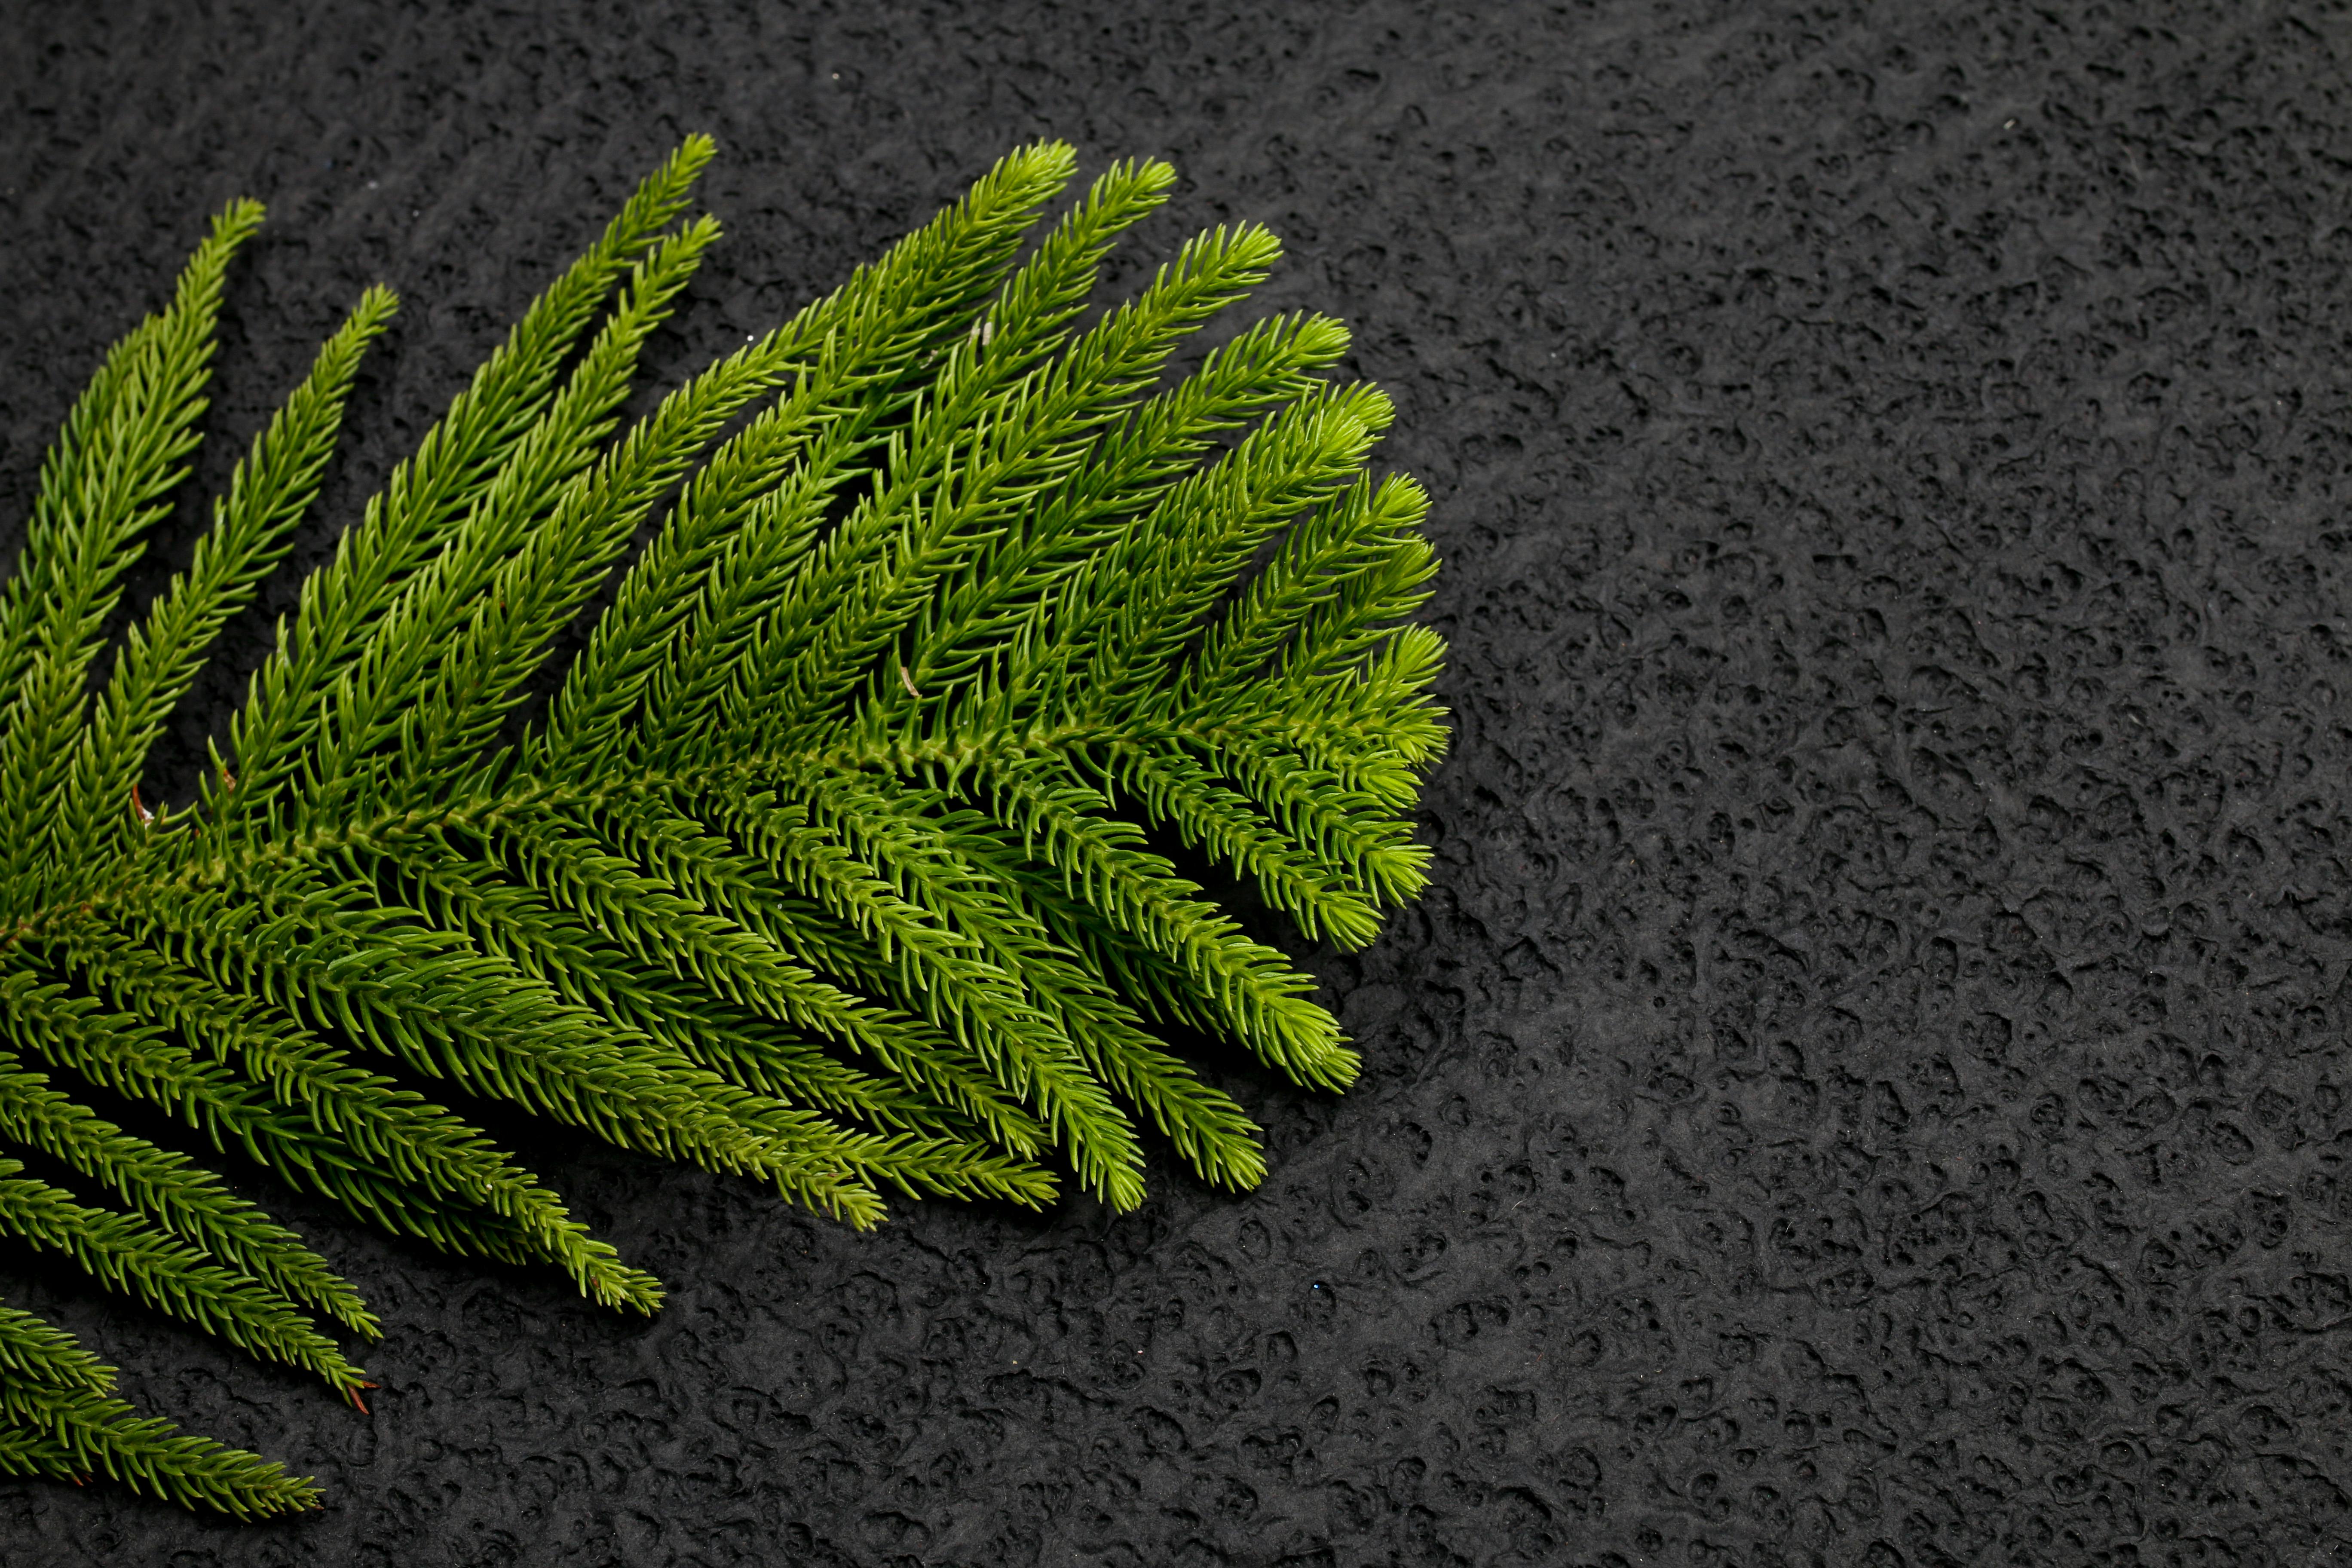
column 845, row 854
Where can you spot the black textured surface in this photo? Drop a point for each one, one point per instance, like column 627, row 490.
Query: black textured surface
column 1867, row 1086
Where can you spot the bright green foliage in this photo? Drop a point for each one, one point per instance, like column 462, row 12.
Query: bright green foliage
column 840, row 855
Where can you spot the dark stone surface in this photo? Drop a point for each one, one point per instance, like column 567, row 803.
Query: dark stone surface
column 1867, row 1086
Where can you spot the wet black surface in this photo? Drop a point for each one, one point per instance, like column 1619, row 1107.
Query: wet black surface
column 1868, row 1085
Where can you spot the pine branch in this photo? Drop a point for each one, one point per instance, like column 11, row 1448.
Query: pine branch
column 292, row 1102
column 1207, row 1127
column 1127, row 470
column 988, row 437
column 83, row 534
column 58, row 1418
column 252, row 527
column 449, row 599
column 828, row 865
column 939, row 1070
column 1243, row 986
column 722, row 551
column 343, row 603
column 174, row 1192
column 128, row 1255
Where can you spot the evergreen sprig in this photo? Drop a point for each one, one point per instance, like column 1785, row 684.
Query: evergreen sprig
column 844, row 855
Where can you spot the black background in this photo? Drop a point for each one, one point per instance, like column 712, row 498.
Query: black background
column 1866, row 1087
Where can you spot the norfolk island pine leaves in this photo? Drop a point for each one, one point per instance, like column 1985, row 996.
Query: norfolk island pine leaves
column 829, row 862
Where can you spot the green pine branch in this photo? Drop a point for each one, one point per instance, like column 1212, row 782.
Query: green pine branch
column 841, row 854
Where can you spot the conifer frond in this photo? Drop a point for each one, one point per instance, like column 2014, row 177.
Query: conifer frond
column 845, row 856
column 59, row 1417
column 174, row 1192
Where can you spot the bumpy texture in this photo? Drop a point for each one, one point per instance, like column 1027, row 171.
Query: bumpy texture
column 1867, row 1087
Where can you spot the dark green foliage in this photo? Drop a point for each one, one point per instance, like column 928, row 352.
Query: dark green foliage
column 829, row 863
